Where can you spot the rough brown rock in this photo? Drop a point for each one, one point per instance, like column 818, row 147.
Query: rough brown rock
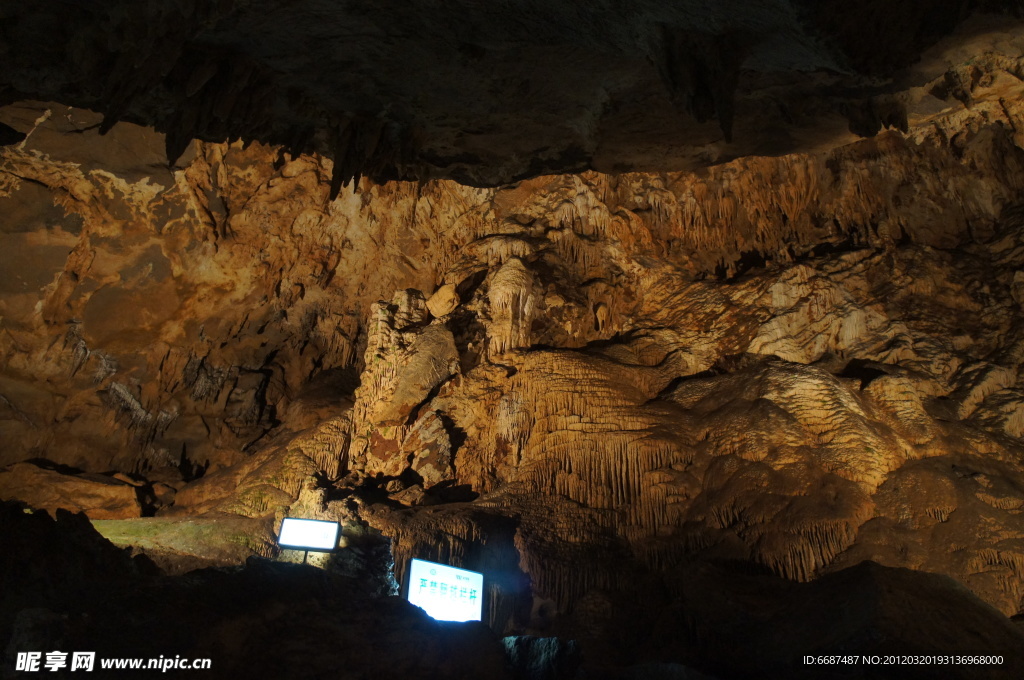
column 98, row 496
column 181, row 544
column 444, row 301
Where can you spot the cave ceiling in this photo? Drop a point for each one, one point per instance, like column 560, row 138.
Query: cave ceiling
column 487, row 93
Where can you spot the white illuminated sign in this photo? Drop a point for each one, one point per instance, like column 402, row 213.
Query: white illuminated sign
column 446, row 593
column 308, row 534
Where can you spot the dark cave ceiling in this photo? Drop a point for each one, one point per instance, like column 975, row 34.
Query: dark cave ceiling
column 486, row 93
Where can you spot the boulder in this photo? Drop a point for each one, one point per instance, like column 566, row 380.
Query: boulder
column 98, row 496
column 444, row 301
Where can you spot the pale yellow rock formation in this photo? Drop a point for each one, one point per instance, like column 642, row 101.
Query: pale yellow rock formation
column 444, row 301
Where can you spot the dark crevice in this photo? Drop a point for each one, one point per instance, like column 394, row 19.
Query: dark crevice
column 863, row 370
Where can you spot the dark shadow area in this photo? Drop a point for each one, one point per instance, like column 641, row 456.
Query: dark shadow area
column 67, row 587
column 56, row 467
column 863, row 370
column 449, row 491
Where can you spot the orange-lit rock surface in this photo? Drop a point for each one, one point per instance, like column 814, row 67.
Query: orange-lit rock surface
column 98, row 496
column 575, row 381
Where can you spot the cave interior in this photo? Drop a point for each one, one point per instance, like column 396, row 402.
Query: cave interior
column 696, row 328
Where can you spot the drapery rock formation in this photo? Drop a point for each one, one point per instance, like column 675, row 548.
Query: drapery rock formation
column 586, row 385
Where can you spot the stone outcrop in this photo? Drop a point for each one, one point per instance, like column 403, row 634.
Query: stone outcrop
column 98, row 496
column 179, row 545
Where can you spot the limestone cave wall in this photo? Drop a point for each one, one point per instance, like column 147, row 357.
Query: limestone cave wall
column 579, row 381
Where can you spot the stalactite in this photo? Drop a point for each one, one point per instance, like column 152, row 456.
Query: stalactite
column 134, row 417
column 512, row 304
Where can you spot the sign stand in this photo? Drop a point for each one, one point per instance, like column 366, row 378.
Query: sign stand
column 308, row 534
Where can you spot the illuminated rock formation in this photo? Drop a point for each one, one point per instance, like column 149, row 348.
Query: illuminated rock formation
column 583, row 384
column 98, row 496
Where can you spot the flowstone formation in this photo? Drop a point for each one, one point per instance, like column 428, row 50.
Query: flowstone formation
column 585, row 385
